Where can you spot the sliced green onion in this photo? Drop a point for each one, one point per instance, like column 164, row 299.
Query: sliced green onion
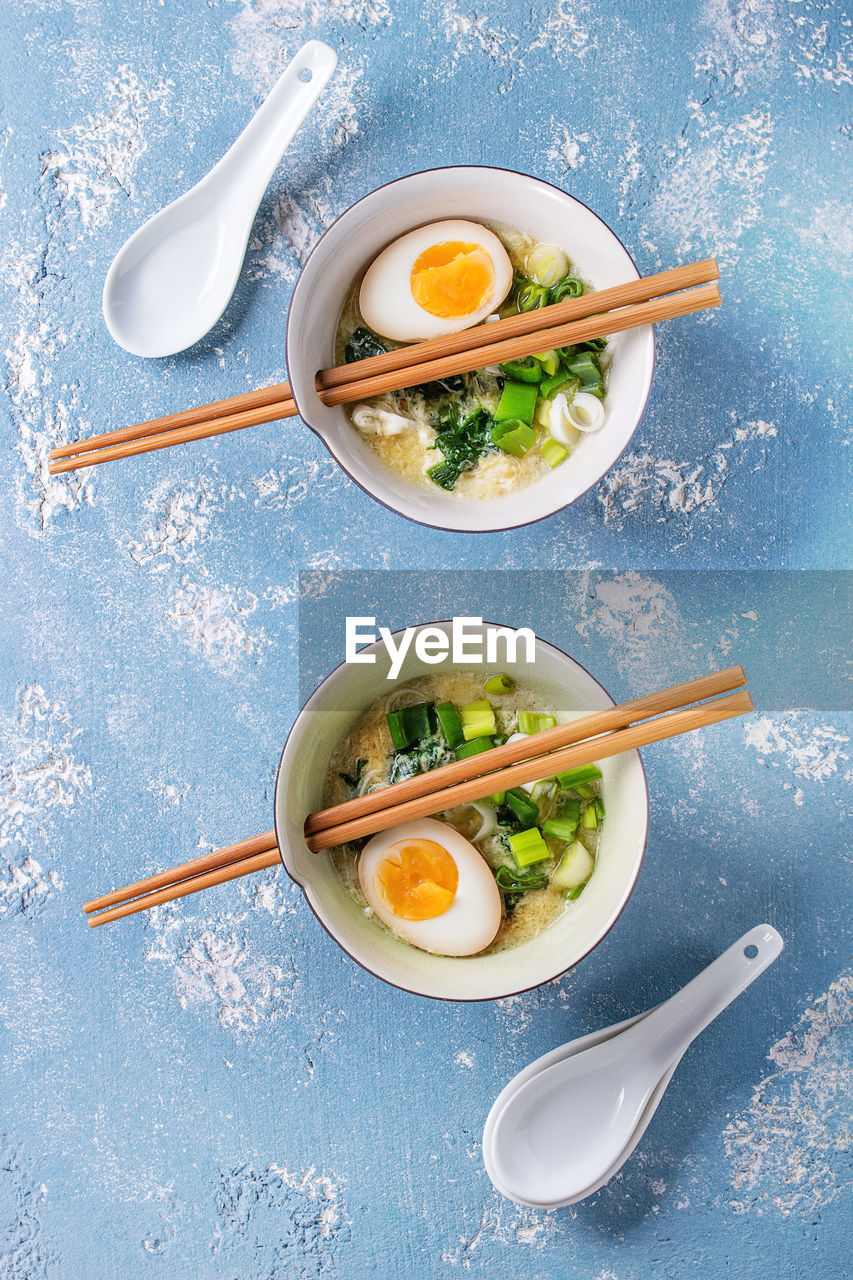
column 525, row 369
column 511, row 881
column 575, row 893
column 549, row 361
column 499, row 684
column 397, row 726
column 589, row 818
column 531, row 295
column 585, row 791
column 574, row 868
column 570, row 811
column 473, row 748
column 547, row 264
column 513, row 436
column 521, row 805
column 571, row 287
column 550, row 386
column 543, row 790
column 496, row 799
column 451, row 725
column 561, row 829
column 517, row 402
column 528, row 846
column 498, row 739
column 584, row 773
column 586, row 367
column 553, row 452
column 478, row 720
column 530, row 722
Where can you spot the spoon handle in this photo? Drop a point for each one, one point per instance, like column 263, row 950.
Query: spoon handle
column 260, row 146
column 668, row 1030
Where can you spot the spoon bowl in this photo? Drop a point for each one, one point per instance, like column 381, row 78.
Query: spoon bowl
column 566, row 1124
column 172, row 280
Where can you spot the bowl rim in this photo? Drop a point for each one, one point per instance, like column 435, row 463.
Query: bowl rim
column 444, row 168
column 399, row 986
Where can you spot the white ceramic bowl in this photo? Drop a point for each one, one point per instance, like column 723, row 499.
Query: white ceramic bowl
column 477, row 193
column 326, row 718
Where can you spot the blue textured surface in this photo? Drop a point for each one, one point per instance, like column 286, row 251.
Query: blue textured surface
column 215, row 1090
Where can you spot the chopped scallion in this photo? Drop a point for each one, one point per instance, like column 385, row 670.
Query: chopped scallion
column 530, row 722
column 473, row 748
column 528, row 846
column 451, row 725
column 513, row 436
column 521, row 805
column 517, row 402
column 499, row 684
column 478, row 720
column 584, row 773
column 553, row 452
column 512, row 881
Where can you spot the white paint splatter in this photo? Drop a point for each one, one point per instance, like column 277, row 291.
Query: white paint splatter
column 788, row 1145
column 811, row 752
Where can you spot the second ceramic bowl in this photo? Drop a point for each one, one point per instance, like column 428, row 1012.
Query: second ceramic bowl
column 325, row 720
column 495, row 195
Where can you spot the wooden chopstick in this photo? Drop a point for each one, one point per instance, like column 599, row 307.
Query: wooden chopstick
column 639, row 735
column 243, row 867
column 597, row 326
column 197, row 866
column 271, row 404
column 245, row 402
column 605, row 733
column 538, row 744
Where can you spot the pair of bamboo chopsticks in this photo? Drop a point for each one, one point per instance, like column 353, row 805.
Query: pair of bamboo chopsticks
column 652, row 718
column 594, row 315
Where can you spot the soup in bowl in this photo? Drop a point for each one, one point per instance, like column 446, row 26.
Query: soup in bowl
column 548, row 914
column 495, row 242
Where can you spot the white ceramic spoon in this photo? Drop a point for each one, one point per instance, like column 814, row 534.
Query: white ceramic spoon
column 567, row 1123
column 174, row 277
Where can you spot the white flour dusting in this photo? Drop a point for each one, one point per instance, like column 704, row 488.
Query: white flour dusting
column 93, row 162
column 503, row 1223
column 823, row 48
column 787, row 1148
column 266, row 1218
column 563, row 33
column 829, row 234
column 711, row 188
column 565, row 150
column 181, row 520
column 281, row 243
column 467, row 31
column 639, row 619
column 812, row 752
column 212, row 620
column 745, row 40
column 669, row 488
column 297, row 479
column 43, row 414
column 40, row 774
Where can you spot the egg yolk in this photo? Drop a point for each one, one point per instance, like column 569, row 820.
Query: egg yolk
column 452, row 279
column 418, row 879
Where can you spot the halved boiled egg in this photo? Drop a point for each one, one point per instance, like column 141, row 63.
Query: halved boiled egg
column 438, row 279
column 431, row 887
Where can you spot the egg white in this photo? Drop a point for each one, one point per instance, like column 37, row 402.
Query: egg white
column 472, row 919
column 385, row 298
